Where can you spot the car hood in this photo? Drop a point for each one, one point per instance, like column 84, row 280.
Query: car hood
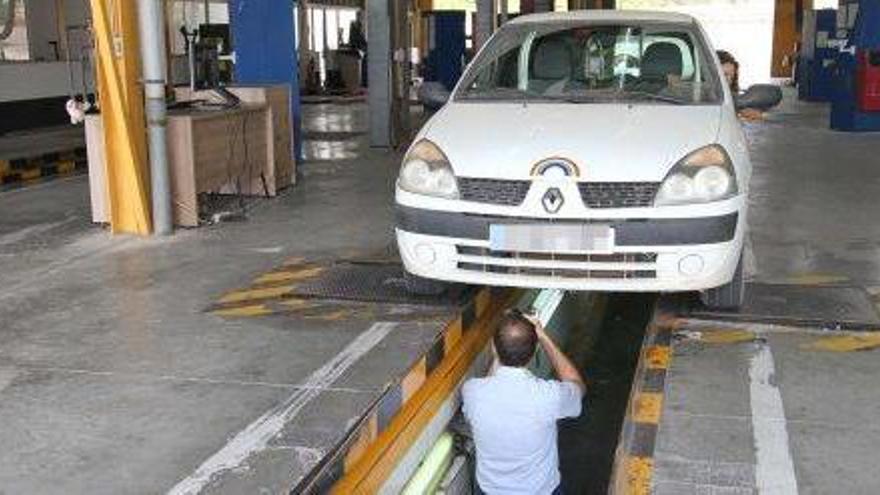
column 607, row 142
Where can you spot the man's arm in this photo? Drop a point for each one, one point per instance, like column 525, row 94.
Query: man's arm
column 565, row 369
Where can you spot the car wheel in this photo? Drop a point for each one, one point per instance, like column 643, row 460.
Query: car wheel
column 423, row 286
column 729, row 296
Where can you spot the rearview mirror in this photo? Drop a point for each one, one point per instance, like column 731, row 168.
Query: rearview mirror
column 760, row 97
column 433, row 95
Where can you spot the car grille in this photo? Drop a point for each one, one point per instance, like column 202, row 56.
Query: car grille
column 594, row 194
column 493, row 191
column 618, row 194
column 640, row 265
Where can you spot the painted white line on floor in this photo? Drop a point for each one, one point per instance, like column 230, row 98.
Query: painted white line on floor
column 256, row 437
column 774, row 473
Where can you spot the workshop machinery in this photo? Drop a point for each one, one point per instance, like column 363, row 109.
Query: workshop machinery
column 855, row 104
column 817, row 58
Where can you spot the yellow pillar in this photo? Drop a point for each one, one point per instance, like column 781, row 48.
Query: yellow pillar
column 122, row 114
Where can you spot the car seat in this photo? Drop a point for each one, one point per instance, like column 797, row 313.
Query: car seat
column 660, row 60
column 551, row 65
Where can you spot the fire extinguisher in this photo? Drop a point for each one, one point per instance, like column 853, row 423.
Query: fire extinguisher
column 868, row 80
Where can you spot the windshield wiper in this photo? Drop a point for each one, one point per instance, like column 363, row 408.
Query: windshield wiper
column 647, row 95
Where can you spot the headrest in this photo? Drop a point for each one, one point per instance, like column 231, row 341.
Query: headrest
column 551, row 60
column 660, row 60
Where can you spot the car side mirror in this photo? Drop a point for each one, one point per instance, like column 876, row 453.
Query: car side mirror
column 760, row 97
column 433, row 95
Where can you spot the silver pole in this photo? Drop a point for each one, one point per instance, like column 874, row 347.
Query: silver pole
column 151, row 17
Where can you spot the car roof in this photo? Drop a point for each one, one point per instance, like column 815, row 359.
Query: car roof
column 605, row 16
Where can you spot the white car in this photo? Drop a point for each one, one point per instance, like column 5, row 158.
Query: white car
column 592, row 150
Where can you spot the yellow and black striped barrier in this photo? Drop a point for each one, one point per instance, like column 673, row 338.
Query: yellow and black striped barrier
column 634, row 462
column 28, row 169
column 372, row 449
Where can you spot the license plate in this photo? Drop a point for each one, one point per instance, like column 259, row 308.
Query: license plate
column 552, row 238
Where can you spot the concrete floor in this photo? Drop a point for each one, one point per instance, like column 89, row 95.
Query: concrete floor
column 787, row 408
column 115, row 379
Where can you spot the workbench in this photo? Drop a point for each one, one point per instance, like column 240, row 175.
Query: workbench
column 216, row 150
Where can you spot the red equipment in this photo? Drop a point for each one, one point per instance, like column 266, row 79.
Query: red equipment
column 868, row 80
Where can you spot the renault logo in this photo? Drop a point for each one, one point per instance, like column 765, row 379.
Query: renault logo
column 552, row 200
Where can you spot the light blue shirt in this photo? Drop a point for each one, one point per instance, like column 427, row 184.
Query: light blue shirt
column 513, row 417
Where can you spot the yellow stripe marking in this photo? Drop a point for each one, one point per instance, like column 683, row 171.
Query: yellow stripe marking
column 288, row 276
column 647, row 407
column 657, row 357
column 5, row 167
column 297, row 303
column 845, row 343
column 639, row 471
column 727, row 336
column 332, row 316
column 256, row 294
column 252, row 310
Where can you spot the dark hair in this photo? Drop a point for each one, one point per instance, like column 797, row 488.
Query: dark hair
column 515, row 339
column 725, row 57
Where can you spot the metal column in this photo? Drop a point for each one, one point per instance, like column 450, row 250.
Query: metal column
column 379, row 59
column 389, row 71
column 152, row 24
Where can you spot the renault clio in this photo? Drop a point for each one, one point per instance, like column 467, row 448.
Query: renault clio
column 591, row 150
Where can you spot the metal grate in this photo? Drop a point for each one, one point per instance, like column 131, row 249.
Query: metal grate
column 374, row 282
column 493, row 191
column 618, row 194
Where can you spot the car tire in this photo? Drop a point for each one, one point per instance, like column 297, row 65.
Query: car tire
column 423, row 286
column 729, row 296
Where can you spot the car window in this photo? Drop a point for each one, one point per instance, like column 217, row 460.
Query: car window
column 588, row 63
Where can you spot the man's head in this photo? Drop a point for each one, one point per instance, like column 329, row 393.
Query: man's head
column 515, row 339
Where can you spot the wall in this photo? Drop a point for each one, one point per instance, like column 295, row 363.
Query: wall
column 29, row 80
column 42, row 19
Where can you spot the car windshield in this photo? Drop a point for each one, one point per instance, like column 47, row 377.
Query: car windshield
column 588, row 63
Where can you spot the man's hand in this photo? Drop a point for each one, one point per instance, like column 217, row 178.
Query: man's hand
column 539, row 328
column 565, row 369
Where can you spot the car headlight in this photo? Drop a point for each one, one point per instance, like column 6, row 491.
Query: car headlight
column 703, row 176
column 426, row 170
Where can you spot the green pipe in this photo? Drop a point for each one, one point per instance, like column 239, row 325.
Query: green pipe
column 433, row 468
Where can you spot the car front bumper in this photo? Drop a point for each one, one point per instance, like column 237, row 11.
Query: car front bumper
column 649, row 254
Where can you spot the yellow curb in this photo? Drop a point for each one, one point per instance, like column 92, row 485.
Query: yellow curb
column 657, row 357
column 647, row 407
column 639, row 471
column 845, row 343
column 727, row 336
